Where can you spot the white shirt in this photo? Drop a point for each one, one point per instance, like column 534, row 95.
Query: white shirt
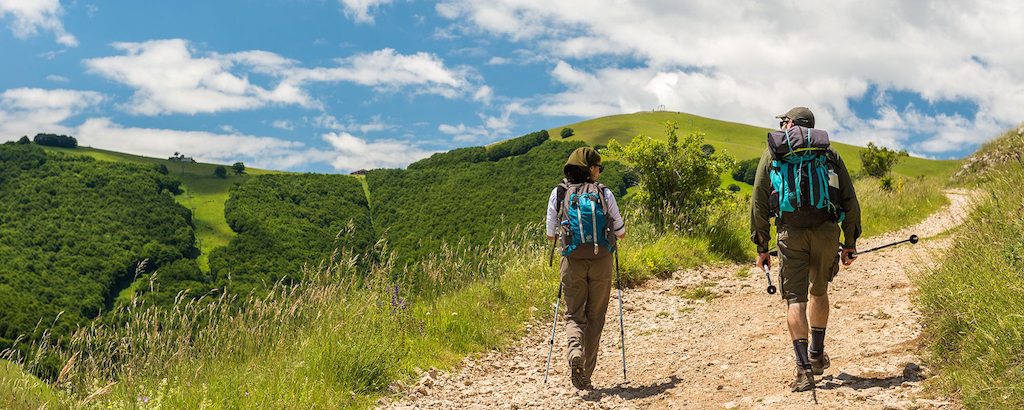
column 612, row 210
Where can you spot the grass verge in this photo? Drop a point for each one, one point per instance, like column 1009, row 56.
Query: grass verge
column 973, row 303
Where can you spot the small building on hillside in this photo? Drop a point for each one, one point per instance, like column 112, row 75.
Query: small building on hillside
column 359, row 172
column 180, row 158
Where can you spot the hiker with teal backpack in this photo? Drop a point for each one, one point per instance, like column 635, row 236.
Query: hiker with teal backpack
column 803, row 183
column 584, row 216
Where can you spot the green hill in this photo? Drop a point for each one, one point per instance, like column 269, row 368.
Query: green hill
column 741, row 140
column 204, row 193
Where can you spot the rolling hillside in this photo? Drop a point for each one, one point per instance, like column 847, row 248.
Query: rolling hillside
column 204, row 193
column 742, row 141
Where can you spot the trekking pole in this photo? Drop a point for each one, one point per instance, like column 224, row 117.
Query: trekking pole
column 558, row 301
column 622, row 328
column 551, row 341
column 767, row 273
column 912, row 239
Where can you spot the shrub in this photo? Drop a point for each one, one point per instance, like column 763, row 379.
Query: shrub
column 878, row 161
column 566, row 132
column 24, row 140
column 54, row 140
column 239, row 168
column 746, row 170
column 734, row 188
column 220, row 171
column 675, row 174
column 707, row 149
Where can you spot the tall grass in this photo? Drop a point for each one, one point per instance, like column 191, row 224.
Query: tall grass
column 343, row 334
column 910, row 201
column 974, row 302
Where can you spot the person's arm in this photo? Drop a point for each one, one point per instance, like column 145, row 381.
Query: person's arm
column 618, row 225
column 551, row 221
column 848, row 202
column 760, row 224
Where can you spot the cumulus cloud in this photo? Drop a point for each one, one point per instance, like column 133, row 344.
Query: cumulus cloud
column 27, row 18
column 331, row 122
column 169, row 77
column 361, row 10
column 28, row 111
column 745, row 61
column 352, row 153
column 386, row 70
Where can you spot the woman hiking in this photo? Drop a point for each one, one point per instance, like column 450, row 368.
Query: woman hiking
column 584, row 215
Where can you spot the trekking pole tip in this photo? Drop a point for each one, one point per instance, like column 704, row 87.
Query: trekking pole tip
column 913, row 238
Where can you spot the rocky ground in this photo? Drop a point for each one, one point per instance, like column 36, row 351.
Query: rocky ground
column 729, row 349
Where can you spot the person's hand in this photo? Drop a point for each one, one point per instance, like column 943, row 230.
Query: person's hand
column 764, row 259
column 551, row 238
column 848, row 255
column 623, row 236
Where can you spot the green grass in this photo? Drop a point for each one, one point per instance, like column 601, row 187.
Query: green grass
column 19, row 390
column 203, row 191
column 884, row 211
column 973, row 303
column 702, row 292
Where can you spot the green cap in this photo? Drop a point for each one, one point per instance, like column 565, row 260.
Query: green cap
column 801, row 116
column 585, row 157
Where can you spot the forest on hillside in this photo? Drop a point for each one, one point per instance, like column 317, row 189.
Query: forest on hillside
column 73, row 232
column 286, row 221
column 417, row 210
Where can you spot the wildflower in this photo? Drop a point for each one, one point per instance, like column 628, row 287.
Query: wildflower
column 455, row 313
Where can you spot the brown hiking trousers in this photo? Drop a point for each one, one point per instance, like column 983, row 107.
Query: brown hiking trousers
column 586, row 284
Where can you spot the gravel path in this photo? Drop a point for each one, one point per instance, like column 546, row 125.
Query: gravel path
column 731, row 351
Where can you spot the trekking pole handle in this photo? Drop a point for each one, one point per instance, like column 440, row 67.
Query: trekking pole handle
column 768, row 274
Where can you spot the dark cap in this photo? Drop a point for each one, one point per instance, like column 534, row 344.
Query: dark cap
column 582, row 159
column 801, row 116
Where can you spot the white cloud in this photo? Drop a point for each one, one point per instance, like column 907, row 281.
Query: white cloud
column 57, row 78
column 376, row 124
column 170, row 78
column 360, row 10
column 261, row 152
column 284, row 125
column 483, row 94
column 462, row 133
column 28, row 111
column 26, row 17
column 746, row 61
column 387, row 71
column 352, row 153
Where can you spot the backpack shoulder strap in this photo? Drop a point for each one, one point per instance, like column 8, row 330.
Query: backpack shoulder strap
column 560, row 194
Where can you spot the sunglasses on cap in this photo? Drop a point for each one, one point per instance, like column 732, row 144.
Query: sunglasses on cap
column 783, row 122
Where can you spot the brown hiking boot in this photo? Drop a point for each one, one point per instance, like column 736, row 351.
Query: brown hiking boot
column 819, row 364
column 804, row 380
column 579, row 380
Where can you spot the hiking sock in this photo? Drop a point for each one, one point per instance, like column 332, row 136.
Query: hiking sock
column 817, row 346
column 800, row 350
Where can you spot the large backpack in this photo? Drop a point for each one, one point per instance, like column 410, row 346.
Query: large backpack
column 583, row 222
column 803, row 177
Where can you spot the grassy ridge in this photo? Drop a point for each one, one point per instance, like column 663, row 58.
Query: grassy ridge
column 204, row 192
column 973, row 303
column 740, row 140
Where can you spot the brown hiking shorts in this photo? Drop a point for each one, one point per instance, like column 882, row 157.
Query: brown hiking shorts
column 809, row 259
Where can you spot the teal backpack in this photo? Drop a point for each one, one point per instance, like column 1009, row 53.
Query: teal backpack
column 583, row 222
column 803, row 177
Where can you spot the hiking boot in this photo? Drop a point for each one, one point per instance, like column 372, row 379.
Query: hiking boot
column 804, row 380
column 819, row 364
column 579, row 380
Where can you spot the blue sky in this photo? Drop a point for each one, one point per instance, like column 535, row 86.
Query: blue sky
column 339, row 85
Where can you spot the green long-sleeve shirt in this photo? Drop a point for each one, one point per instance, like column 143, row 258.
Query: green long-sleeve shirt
column 760, row 228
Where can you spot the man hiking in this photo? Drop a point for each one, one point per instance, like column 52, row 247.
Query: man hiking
column 585, row 216
column 804, row 184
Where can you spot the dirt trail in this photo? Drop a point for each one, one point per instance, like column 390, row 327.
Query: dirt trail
column 732, row 351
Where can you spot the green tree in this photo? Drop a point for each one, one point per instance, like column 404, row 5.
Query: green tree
column 162, row 168
column 220, row 171
column 24, row 140
column 239, row 168
column 734, row 188
column 707, row 149
column 675, row 174
column 566, row 132
column 878, row 161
